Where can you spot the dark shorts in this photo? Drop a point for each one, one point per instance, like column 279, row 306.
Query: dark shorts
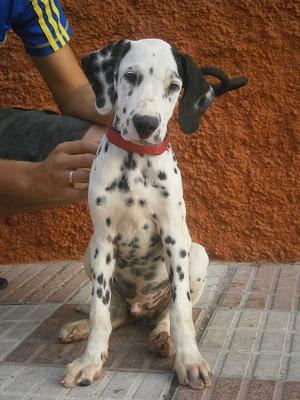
column 30, row 135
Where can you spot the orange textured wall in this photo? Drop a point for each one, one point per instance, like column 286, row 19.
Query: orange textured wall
column 239, row 171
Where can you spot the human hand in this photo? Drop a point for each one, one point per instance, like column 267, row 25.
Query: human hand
column 51, row 182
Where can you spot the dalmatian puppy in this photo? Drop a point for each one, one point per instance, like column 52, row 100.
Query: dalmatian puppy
column 141, row 260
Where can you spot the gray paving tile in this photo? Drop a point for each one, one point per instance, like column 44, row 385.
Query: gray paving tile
column 222, row 318
column 235, row 365
column 153, row 387
column 19, row 321
column 267, row 366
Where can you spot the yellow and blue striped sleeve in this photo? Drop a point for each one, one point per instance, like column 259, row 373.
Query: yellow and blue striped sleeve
column 43, row 27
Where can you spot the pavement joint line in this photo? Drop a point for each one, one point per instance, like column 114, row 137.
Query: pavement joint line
column 244, row 389
column 229, row 273
column 224, row 351
column 278, row 390
column 295, row 303
column 67, row 279
column 273, row 288
column 255, row 349
column 248, row 287
column 287, row 346
column 41, row 284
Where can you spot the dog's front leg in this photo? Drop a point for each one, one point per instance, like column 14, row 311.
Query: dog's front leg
column 191, row 367
column 85, row 369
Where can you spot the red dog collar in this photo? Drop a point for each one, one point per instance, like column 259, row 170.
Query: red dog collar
column 116, row 138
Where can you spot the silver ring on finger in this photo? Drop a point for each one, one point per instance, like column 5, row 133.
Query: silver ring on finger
column 71, row 173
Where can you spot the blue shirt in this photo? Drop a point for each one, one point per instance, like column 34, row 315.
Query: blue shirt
column 41, row 24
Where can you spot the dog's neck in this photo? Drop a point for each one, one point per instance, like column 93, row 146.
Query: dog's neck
column 115, row 137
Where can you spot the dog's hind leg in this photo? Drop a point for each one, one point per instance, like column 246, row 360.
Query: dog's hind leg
column 160, row 339
column 197, row 271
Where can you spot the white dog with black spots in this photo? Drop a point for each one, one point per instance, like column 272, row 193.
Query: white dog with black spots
column 141, row 259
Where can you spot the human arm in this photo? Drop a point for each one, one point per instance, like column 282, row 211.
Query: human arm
column 27, row 186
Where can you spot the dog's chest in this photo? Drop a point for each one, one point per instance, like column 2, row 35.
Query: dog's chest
column 128, row 196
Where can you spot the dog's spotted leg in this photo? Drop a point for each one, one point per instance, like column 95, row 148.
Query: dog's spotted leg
column 160, row 339
column 85, row 369
column 191, row 367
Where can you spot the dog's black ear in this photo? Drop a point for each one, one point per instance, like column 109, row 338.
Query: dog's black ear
column 101, row 69
column 198, row 93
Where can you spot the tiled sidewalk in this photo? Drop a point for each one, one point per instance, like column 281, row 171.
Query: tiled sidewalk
column 247, row 322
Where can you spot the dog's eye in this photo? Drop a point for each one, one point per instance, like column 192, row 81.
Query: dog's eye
column 131, row 77
column 174, row 87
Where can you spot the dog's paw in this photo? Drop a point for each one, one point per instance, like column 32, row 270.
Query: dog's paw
column 83, row 371
column 74, row 331
column 161, row 343
column 193, row 371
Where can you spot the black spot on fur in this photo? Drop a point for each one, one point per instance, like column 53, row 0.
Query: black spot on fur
column 118, row 237
column 149, row 163
column 106, row 147
column 142, row 203
column 165, row 194
column 96, row 253
column 154, row 240
column 169, row 240
column 93, row 291
column 151, row 70
column 188, row 296
column 162, row 175
column 100, row 279
column 99, row 293
column 100, row 201
column 174, row 292
column 175, row 170
column 130, row 162
column 181, row 276
column 178, row 269
column 182, row 253
column 108, row 258
column 156, row 138
column 108, row 221
column 154, row 216
column 123, row 184
column 124, row 110
column 130, row 92
column 169, row 252
column 105, row 298
column 104, row 284
column 146, row 226
column 129, row 202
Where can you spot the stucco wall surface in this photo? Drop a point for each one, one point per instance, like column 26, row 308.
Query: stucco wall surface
column 239, row 171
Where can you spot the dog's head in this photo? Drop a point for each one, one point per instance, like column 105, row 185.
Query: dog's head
column 142, row 80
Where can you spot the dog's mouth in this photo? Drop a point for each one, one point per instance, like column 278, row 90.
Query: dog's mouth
column 142, row 142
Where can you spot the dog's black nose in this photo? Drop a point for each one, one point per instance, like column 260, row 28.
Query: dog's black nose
column 145, row 125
